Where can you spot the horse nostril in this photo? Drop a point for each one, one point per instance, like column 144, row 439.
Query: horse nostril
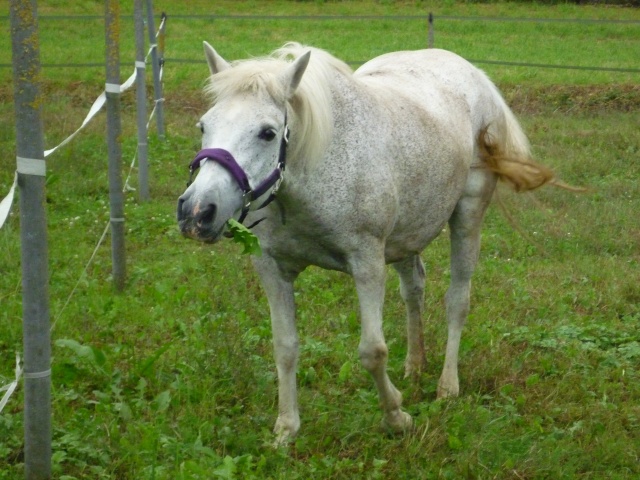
column 181, row 213
column 207, row 215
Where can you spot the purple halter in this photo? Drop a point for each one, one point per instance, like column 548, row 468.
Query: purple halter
column 226, row 160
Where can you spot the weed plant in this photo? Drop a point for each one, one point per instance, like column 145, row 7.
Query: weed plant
column 174, row 377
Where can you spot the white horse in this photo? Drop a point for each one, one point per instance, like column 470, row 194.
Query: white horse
column 378, row 161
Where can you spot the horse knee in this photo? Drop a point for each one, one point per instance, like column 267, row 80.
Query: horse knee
column 286, row 355
column 373, row 356
column 412, row 279
column 412, row 294
column 458, row 300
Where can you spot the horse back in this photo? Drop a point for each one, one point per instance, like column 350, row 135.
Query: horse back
column 442, row 83
column 435, row 104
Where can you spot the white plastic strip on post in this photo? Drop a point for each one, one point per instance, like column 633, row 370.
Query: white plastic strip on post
column 112, row 88
column 31, row 166
column 45, row 374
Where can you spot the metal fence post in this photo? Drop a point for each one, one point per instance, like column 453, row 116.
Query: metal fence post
column 430, row 34
column 155, row 63
column 33, row 239
column 141, row 100
column 114, row 130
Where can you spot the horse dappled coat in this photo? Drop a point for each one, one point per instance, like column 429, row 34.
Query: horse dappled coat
column 377, row 162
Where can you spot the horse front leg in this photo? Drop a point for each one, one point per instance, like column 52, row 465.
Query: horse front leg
column 279, row 291
column 370, row 285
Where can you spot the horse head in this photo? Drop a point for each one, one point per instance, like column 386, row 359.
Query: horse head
column 244, row 138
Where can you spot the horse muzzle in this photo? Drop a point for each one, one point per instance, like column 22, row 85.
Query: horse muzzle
column 200, row 222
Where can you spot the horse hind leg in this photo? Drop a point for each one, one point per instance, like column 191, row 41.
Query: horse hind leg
column 465, row 224
column 412, row 282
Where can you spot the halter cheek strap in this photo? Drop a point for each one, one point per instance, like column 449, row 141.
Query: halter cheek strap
column 226, row 160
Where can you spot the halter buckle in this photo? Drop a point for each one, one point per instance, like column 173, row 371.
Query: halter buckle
column 247, row 198
column 276, row 186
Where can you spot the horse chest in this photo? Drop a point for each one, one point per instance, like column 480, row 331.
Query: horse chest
column 295, row 250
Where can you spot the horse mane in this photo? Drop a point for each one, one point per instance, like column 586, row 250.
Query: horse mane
column 311, row 105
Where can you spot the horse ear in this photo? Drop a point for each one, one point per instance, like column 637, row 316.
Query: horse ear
column 216, row 62
column 293, row 74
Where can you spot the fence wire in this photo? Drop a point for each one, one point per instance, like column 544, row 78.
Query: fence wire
column 353, row 17
column 370, row 18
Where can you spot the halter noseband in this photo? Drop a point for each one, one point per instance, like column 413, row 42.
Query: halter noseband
column 226, row 160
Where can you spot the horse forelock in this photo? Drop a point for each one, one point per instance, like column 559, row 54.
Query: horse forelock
column 311, row 105
column 254, row 76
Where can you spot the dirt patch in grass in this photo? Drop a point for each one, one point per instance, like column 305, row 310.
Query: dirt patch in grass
column 523, row 99
column 572, row 98
column 528, row 100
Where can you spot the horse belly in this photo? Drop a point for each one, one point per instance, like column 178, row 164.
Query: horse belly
column 413, row 237
column 425, row 204
column 430, row 175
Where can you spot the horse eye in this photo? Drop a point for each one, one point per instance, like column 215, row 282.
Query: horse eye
column 267, row 134
column 200, row 125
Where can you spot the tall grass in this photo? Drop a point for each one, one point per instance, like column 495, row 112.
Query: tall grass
column 174, row 378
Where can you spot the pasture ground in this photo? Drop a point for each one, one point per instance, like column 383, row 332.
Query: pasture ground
column 174, row 378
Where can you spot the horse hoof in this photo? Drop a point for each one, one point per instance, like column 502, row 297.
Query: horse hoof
column 450, row 391
column 397, row 422
column 414, row 365
column 412, row 371
column 282, row 440
column 285, row 432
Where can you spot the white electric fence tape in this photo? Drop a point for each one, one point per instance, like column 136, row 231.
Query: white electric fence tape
column 5, row 204
column 12, row 386
column 164, row 19
column 96, row 107
column 32, row 166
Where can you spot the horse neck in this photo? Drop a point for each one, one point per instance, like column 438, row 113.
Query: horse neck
column 337, row 168
column 342, row 92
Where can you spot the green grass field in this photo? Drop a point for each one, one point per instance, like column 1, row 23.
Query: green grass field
column 174, row 377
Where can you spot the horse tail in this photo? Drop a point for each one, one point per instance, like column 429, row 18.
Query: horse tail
column 504, row 149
